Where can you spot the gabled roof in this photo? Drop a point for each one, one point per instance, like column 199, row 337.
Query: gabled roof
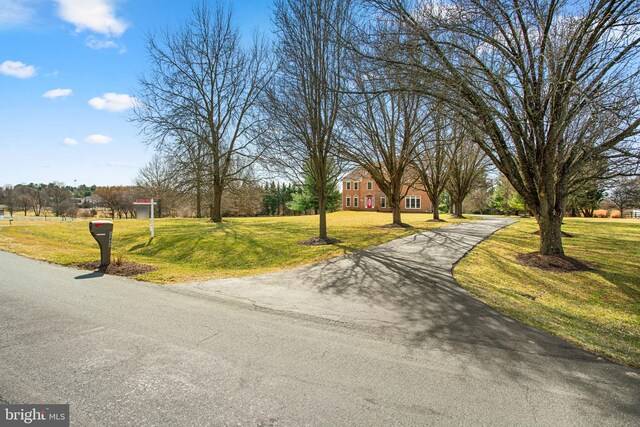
column 356, row 175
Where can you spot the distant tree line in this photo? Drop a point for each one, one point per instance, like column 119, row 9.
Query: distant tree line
column 41, row 199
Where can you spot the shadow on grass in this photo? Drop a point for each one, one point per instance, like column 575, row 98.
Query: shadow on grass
column 140, row 245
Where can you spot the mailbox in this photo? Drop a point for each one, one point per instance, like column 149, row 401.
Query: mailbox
column 101, row 231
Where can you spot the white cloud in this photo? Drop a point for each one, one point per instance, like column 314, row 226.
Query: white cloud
column 57, row 93
column 96, row 138
column 69, row 141
column 113, row 102
column 17, row 69
column 93, row 15
column 95, row 43
column 15, row 13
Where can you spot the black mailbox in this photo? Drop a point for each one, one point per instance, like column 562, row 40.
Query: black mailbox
column 101, row 231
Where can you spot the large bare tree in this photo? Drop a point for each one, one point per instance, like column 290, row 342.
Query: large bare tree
column 386, row 128
column 203, row 85
column 305, row 100
column 545, row 86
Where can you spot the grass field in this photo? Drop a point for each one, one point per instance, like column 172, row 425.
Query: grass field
column 599, row 310
column 194, row 249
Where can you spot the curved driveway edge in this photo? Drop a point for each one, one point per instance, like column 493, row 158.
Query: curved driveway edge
column 400, row 283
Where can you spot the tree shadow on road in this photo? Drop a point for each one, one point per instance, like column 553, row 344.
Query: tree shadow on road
column 413, row 278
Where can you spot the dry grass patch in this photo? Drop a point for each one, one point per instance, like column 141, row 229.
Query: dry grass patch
column 598, row 309
column 195, row 249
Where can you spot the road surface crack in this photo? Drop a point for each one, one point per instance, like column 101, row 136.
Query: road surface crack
column 209, row 337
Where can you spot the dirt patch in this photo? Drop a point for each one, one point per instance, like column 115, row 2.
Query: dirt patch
column 319, row 241
column 435, row 220
column 125, row 268
column 562, row 264
column 569, row 235
column 402, row 225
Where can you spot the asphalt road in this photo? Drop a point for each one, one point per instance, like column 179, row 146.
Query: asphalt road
column 122, row 352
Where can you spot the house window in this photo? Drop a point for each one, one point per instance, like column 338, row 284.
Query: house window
column 369, row 185
column 348, row 201
column 412, row 202
column 383, row 202
column 355, row 202
column 355, row 187
column 348, row 185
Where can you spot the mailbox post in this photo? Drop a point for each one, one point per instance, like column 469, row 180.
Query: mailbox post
column 101, row 231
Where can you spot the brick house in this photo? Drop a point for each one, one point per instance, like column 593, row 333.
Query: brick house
column 361, row 193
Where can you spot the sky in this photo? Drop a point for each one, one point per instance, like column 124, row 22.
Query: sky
column 68, row 76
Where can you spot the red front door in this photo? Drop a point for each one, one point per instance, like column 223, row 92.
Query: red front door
column 369, row 203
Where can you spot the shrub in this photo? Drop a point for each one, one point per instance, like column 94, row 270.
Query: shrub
column 600, row 213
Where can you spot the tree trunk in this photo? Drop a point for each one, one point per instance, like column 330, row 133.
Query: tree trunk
column 198, row 200
column 322, row 210
column 435, row 207
column 550, row 233
column 458, row 209
column 216, row 205
column 397, row 220
column 395, row 204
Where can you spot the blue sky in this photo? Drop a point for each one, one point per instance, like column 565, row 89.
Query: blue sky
column 68, row 72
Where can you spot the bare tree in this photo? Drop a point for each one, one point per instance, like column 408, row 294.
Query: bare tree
column 468, row 164
column 118, row 199
column 9, row 198
column 434, row 163
column 386, row 128
column 545, row 86
column 305, row 101
column 36, row 198
column 158, row 181
column 188, row 157
column 479, row 200
column 625, row 194
column 22, row 197
column 202, row 86
column 57, row 198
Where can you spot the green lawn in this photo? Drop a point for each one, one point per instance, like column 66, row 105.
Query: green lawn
column 598, row 310
column 194, row 249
